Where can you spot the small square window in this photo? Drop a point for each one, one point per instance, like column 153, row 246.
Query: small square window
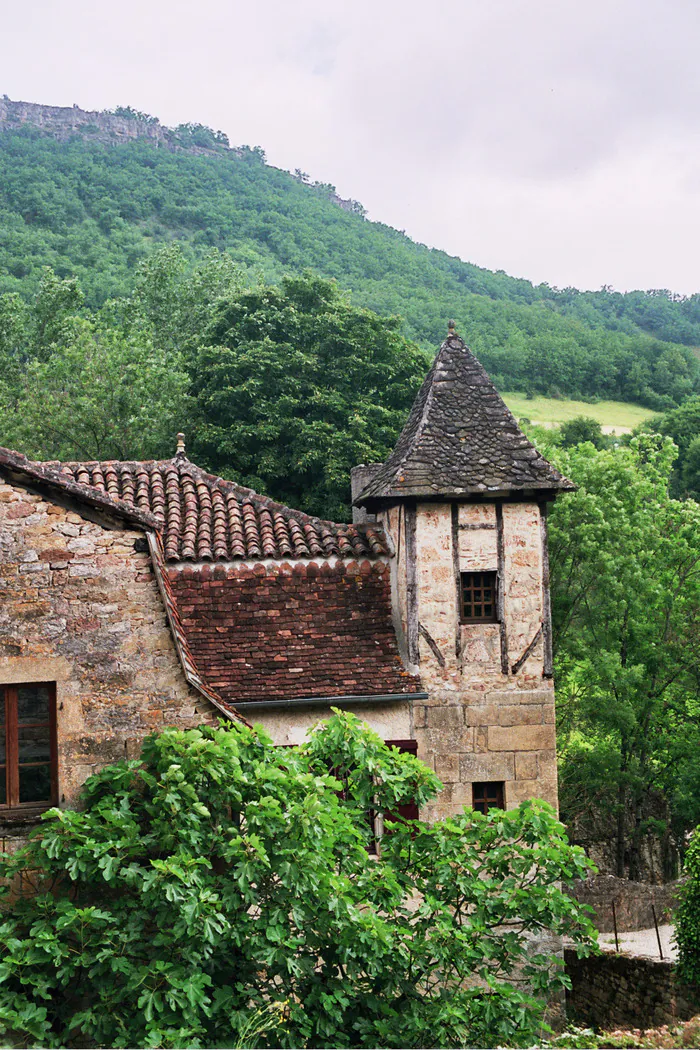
column 487, row 796
column 479, row 597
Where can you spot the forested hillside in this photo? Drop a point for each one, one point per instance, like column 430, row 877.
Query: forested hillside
column 95, row 210
column 143, row 292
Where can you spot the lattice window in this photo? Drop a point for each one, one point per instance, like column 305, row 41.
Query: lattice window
column 487, row 796
column 479, row 597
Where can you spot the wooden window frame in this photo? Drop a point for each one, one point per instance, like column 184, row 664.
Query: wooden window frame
column 499, row 792
column 485, row 580
column 12, row 807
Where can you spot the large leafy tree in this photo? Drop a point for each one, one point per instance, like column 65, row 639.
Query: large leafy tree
column 683, row 425
column 76, row 384
column 100, row 394
column 222, row 885
column 626, row 601
column 294, row 386
column 687, row 915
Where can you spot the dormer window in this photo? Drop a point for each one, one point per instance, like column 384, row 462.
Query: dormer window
column 479, row 597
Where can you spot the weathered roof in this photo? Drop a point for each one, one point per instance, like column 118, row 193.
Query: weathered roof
column 46, row 477
column 460, row 439
column 203, row 518
column 289, row 632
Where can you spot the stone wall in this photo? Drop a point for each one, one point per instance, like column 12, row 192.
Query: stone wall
column 633, row 902
column 611, row 991
column 490, row 712
column 80, row 606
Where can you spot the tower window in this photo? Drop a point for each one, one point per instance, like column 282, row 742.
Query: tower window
column 487, row 796
column 479, row 597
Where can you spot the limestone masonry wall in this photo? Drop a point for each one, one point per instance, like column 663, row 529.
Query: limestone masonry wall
column 611, row 991
column 80, row 606
column 490, row 712
column 633, row 902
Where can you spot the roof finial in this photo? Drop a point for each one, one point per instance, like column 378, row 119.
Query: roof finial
column 180, row 451
column 450, row 329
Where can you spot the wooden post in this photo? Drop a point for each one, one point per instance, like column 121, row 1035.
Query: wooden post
column 658, row 935
column 617, row 943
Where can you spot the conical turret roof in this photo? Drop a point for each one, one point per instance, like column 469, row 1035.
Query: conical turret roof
column 460, row 440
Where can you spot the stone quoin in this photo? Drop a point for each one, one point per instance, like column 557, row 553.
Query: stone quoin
column 143, row 594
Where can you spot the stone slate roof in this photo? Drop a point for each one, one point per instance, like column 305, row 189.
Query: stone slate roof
column 460, row 440
column 204, row 518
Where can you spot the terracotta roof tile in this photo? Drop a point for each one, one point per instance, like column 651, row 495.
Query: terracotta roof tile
column 204, row 518
column 289, row 632
column 86, row 484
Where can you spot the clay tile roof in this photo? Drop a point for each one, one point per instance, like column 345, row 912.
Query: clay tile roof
column 50, row 476
column 201, row 517
column 460, row 439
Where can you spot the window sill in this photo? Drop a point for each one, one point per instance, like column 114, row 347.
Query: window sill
column 23, row 815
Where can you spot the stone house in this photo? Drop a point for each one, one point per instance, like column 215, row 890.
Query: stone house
column 138, row 595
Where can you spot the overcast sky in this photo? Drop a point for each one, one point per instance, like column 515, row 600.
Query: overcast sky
column 558, row 141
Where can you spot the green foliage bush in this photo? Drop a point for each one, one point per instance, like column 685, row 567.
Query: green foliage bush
column 687, row 914
column 221, row 887
column 579, row 430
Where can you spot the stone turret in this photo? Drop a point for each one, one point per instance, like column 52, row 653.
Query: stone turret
column 463, row 498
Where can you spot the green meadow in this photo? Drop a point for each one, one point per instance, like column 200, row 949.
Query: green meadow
column 614, row 416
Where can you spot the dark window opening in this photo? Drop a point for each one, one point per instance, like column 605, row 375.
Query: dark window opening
column 408, row 811
column 478, row 597
column 487, row 796
column 28, row 770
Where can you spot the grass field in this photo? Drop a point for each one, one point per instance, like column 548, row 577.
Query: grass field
column 617, row 417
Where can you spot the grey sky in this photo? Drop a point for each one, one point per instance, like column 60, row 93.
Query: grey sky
column 558, row 141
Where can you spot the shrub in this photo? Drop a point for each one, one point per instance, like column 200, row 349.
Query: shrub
column 687, row 914
column 580, row 429
column 221, row 880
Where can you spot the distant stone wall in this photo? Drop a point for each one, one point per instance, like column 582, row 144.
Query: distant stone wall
column 611, row 991
column 633, row 902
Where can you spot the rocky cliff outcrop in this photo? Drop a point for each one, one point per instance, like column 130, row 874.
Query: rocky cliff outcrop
column 110, row 127
column 62, row 122
column 124, row 124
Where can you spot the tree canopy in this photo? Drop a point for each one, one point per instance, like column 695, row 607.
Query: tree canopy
column 625, row 561
column 294, row 386
column 95, row 211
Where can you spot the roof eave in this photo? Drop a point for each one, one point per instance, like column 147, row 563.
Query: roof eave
column 45, row 479
column 389, row 497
